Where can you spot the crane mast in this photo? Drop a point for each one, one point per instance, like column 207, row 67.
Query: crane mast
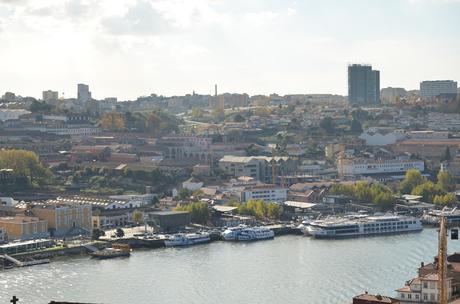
column 442, row 261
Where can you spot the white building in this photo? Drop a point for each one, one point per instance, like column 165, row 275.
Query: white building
column 435, row 88
column 265, row 192
column 8, row 114
column 368, row 167
column 192, row 184
column 8, row 201
column 391, row 95
column 423, row 290
column 49, row 96
column 381, row 137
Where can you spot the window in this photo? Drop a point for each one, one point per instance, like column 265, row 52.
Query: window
column 417, row 296
column 409, row 296
column 425, row 285
column 403, row 296
column 425, row 296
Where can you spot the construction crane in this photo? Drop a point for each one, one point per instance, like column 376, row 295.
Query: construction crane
column 442, row 261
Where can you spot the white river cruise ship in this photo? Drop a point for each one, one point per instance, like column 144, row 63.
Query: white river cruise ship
column 362, row 225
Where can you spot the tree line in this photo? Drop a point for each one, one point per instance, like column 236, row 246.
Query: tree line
column 157, row 122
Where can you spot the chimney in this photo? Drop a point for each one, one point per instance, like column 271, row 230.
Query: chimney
column 422, row 264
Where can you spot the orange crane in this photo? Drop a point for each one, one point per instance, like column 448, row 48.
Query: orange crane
column 442, row 261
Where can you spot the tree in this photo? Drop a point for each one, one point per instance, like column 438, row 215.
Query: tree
column 97, row 233
column 449, row 199
column 184, row 193
column 327, row 124
column 112, row 121
column 199, row 211
column 258, row 208
column 384, row 201
column 447, row 155
column 138, row 217
column 120, row 233
column 377, row 194
column 218, row 114
column 428, row 190
column 446, row 181
column 26, row 169
column 238, row 118
column 252, row 150
column 40, row 107
column 356, row 126
column 197, row 113
column 262, row 111
column 412, row 179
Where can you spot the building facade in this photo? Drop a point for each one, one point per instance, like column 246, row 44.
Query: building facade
column 363, row 85
column 64, row 219
column 261, row 168
column 83, row 93
column 265, row 192
column 370, row 167
column 438, row 88
column 391, row 95
column 23, row 227
column 49, row 96
column 423, row 290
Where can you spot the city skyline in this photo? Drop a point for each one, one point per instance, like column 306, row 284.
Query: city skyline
column 260, row 47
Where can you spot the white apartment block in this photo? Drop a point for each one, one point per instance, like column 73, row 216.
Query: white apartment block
column 265, row 192
column 369, row 167
column 8, row 114
column 434, row 88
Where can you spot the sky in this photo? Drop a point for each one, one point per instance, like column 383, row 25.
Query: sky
column 129, row 48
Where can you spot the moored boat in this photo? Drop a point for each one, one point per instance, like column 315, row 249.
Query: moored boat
column 117, row 250
column 363, row 225
column 182, row 239
column 242, row 233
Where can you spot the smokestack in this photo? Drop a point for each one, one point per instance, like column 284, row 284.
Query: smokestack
column 215, row 90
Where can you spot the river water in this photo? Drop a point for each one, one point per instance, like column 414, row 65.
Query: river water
column 288, row 269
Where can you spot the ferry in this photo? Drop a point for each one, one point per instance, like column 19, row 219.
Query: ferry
column 432, row 217
column 362, row 225
column 242, row 233
column 182, row 239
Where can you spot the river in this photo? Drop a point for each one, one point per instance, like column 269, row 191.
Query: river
column 288, row 269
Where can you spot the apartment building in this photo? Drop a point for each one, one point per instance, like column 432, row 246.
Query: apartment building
column 423, row 290
column 353, row 167
column 265, row 192
column 65, row 219
column 23, row 227
column 260, row 168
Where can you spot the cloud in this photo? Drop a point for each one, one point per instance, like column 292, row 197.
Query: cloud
column 140, row 19
column 260, row 18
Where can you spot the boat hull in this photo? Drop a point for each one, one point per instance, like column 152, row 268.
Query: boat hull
column 359, row 235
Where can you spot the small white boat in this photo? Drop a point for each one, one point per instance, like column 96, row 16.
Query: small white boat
column 182, row 239
column 242, row 233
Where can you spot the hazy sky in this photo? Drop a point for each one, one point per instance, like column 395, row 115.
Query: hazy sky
column 127, row 48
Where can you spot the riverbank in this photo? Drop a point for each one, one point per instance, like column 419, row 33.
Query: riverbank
column 288, row 269
column 138, row 242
